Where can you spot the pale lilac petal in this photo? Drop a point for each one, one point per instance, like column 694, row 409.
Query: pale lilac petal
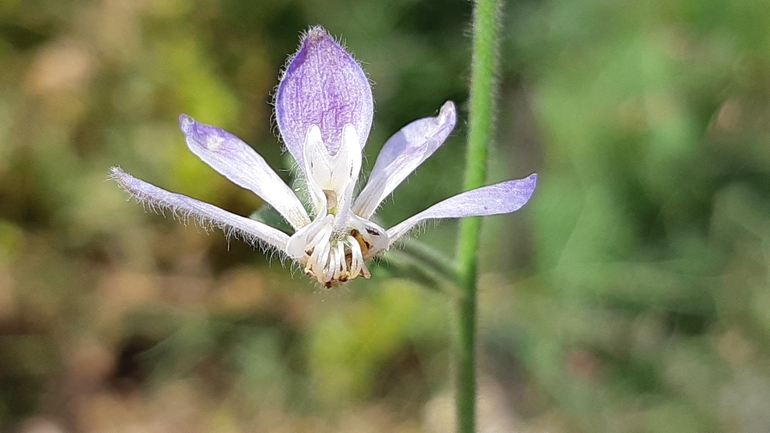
column 324, row 86
column 504, row 197
column 237, row 161
column 402, row 154
column 206, row 214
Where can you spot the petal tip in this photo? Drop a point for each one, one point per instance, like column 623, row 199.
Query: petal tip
column 448, row 108
column 531, row 184
column 123, row 179
column 315, row 34
column 186, row 123
column 116, row 173
column 448, row 113
column 200, row 135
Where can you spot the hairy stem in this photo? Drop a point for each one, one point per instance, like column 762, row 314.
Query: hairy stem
column 480, row 130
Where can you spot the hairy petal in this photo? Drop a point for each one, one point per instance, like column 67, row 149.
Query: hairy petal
column 402, row 154
column 324, row 86
column 504, row 197
column 235, row 160
column 184, row 207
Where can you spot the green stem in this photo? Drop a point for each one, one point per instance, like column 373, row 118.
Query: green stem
column 480, row 130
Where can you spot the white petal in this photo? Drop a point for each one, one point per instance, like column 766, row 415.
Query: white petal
column 238, row 162
column 207, row 214
column 504, row 197
column 356, row 256
column 375, row 237
column 332, row 178
column 309, row 236
column 314, row 148
column 402, row 154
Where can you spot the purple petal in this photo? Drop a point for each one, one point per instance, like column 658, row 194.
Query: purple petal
column 504, row 197
column 234, row 159
column 402, row 154
column 206, row 214
column 322, row 85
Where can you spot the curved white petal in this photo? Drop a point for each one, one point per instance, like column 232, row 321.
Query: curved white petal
column 309, row 236
column 313, row 146
column 372, row 238
column 504, row 197
column 237, row 161
column 402, row 154
column 207, row 214
column 331, row 178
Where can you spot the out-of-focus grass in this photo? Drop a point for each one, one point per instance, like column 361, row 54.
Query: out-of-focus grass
column 630, row 295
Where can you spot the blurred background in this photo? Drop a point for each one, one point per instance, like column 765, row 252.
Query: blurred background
column 631, row 295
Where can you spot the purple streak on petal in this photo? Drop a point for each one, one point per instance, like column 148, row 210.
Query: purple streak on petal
column 504, row 197
column 235, row 160
column 184, row 207
column 322, row 85
column 402, row 154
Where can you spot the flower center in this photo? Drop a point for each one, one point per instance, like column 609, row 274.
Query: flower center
column 334, row 251
column 336, row 258
column 335, row 246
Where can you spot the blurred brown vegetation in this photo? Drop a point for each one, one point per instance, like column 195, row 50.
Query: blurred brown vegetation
column 631, row 295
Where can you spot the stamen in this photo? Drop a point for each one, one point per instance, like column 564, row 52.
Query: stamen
column 356, row 257
column 318, row 261
column 362, row 244
column 328, row 273
column 334, row 255
column 371, row 237
column 365, row 271
column 340, row 268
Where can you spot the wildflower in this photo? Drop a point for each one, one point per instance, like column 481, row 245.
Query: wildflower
column 324, row 110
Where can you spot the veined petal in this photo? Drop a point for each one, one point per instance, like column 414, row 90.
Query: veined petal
column 504, row 197
column 184, row 207
column 324, row 86
column 402, row 154
column 237, row 161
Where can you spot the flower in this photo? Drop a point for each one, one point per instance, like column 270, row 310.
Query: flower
column 324, row 109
